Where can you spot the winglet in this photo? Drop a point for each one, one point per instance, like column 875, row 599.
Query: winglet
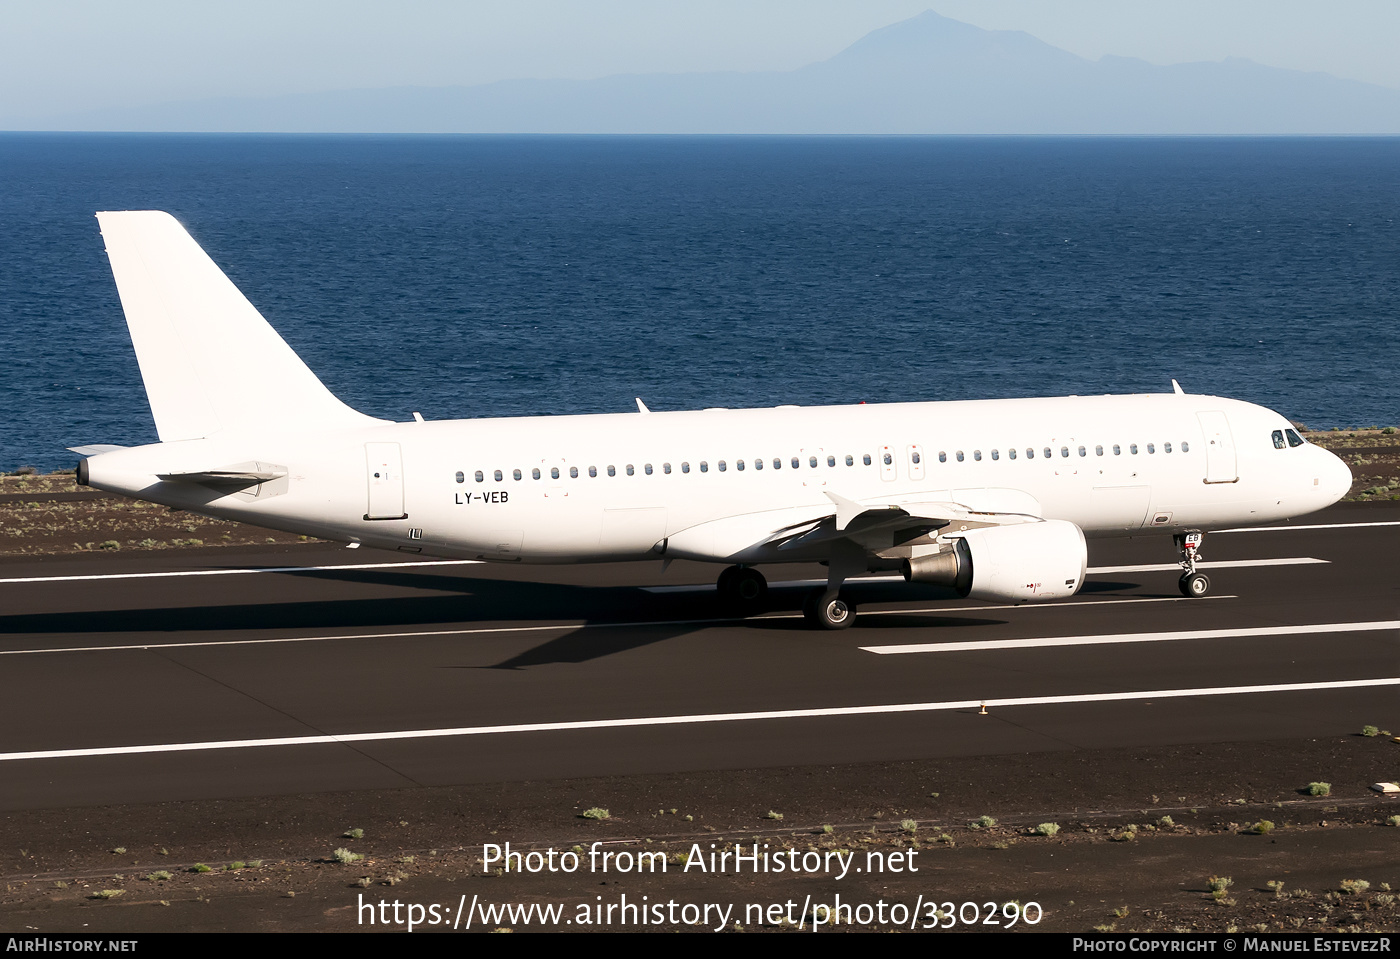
column 1176, row 388
column 642, row 407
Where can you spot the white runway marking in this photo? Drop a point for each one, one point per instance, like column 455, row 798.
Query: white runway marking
column 783, row 584
column 483, row 630
column 1280, row 529
column 685, row 588
column 1218, row 564
column 1091, row 571
column 1118, row 638
column 238, row 571
column 672, row 589
column 692, row 720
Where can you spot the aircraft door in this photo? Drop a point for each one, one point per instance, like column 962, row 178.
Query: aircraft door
column 384, row 473
column 916, row 461
column 1221, row 466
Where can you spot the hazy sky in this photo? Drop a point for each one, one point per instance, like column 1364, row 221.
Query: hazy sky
column 67, row 55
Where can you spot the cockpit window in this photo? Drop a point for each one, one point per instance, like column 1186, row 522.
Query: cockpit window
column 1278, row 439
column 1293, row 438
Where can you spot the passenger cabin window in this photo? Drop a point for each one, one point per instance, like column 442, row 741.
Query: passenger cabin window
column 1132, row 448
column 573, row 472
column 612, row 470
column 866, row 459
column 831, row 460
column 535, row 473
column 960, row 456
column 850, row 460
column 554, row 472
column 942, row 456
column 498, row 475
column 758, row 464
column 1166, row 447
column 1098, row 450
column 739, row 465
column 1011, row 453
column 996, row 455
column 796, row 462
column 666, row 468
column 1047, row 452
column 1030, row 453
column 631, row 470
column 1185, row 447
column 685, row 467
column 977, row 455
column 704, row 466
column 1151, row 447
column 1117, row 450
column 462, row 477
column 723, row 466
column 1083, row 452
column 777, row 463
column 593, row 471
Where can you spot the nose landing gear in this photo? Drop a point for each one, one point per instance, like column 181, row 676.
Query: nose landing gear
column 1188, row 547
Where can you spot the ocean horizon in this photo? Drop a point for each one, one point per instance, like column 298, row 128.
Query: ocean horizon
column 474, row 276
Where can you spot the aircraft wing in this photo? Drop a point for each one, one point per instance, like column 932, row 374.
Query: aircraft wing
column 805, row 533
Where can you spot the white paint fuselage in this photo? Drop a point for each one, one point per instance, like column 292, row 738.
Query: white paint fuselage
column 1186, row 474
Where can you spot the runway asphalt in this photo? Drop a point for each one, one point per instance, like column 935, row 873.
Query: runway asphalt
column 218, row 673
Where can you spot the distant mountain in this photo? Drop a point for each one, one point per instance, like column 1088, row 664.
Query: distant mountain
column 928, row 74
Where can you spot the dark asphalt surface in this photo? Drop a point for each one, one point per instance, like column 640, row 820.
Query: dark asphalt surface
column 133, row 661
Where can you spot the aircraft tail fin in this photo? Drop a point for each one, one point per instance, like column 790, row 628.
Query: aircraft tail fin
column 209, row 360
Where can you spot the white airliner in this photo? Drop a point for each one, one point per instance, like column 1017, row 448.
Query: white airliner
column 992, row 498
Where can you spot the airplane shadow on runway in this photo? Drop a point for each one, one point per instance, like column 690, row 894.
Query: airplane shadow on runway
column 641, row 617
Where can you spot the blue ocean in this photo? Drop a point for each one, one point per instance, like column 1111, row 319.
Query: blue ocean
column 497, row 276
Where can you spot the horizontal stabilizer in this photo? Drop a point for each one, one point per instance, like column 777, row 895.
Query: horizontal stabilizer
column 241, row 474
column 94, row 449
column 209, row 360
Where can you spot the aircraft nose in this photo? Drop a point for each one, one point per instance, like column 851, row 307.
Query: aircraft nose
column 1335, row 478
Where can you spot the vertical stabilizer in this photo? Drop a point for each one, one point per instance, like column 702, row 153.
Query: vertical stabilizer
column 209, row 360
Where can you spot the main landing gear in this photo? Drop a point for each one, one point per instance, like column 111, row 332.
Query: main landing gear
column 1192, row 583
column 741, row 588
column 825, row 608
column 828, row 612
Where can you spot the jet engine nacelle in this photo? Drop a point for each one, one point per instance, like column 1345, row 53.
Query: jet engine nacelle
column 1028, row 563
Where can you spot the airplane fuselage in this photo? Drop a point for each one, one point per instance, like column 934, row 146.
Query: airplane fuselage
column 628, row 486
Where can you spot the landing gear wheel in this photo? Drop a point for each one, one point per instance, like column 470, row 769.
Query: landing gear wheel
column 742, row 587
column 1194, row 585
column 749, row 586
column 834, row 613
